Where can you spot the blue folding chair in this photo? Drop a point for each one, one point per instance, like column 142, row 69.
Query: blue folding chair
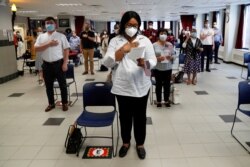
column 98, row 94
column 181, row 60
column 246, row 60
column 248, row 71
column 243, row 98
column 70, row 79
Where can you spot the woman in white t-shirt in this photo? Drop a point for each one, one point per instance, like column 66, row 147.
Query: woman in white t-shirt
column 131, row 56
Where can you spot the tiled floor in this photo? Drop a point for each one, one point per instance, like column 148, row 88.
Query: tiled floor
column 190, row 134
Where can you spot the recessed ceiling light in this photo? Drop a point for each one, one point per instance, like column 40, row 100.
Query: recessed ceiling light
column 27, row 11
column 68, row 4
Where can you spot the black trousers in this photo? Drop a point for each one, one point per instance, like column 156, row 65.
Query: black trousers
column 52, row 71
column 216, row 50
column 207, row 52
column 132, row 112
column 163, row 79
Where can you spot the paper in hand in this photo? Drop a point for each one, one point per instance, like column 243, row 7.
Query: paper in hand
column 147, row 68
column 136, row 53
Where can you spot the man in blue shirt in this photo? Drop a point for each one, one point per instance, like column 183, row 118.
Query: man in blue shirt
column 74, row 42
column 217, row 41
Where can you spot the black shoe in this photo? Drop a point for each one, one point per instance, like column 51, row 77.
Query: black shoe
column 167, row 104
column 202, row 70
column 65, row 107
column 141, row 152
column 208, row 70
column 216, row 62
column 50, row 107
column 158, row 105
column 123, row 151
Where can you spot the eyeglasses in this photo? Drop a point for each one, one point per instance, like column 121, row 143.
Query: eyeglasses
column 132, row 25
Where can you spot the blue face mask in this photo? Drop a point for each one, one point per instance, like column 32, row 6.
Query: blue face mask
column 50, row 27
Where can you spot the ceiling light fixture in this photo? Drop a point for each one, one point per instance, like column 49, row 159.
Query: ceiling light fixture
column 13, row 7
column 68, row 4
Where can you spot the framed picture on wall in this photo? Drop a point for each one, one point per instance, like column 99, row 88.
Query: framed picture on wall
column 63, row 22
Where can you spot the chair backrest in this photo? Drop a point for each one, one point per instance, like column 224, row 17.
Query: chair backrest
column 182, row 58
column 248, row 71
column 247, row 57
column 244, row 93
column 98, row 94
column 70, row 72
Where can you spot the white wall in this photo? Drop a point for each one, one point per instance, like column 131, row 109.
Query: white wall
column 231, row 30
column 8, row 64
column 199, row 23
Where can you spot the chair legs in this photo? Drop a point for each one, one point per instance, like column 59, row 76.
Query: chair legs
column 242, row 73
column 68, row 91
column 76, row 96
column 114, row 147
column 234, row 135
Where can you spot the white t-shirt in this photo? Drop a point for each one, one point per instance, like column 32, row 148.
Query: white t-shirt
column 209, row 39
column 53, row 53
column 130, row 79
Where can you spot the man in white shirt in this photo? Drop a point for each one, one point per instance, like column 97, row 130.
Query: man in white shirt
column 207, row 39
column 54, row 50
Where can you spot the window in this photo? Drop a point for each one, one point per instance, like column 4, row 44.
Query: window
column 112, row 24
column 218, row 20
column 155, row 25
column 167, row 25
column 246, row 28
column 142, row 26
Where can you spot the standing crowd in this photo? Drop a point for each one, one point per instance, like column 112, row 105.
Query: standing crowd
column 131, row 74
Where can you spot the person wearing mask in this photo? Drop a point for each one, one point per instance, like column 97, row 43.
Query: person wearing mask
column 170, row 37
column 182, row 38
column 131, row 82
column 150, row 32
column 68, row 33
column 54, row 49
column 218, row 39
column 187, row 32
column 19, row 43
column 104, row 42
column 163, row 71
column 207, row 39
column 115, row 33
column 193, row 47
column 74, row 42
column 39, row 61
column 87, row 47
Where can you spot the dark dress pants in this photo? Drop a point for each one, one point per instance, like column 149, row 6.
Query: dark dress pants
column 216, row 50
column 52, row 71
column 163, row 79
column 207, row 52
column 132, row 112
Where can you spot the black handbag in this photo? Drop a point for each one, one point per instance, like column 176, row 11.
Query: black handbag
column 73, row 139
column 178, row 77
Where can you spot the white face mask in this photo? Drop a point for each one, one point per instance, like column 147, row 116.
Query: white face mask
column 39, row 33
column 163, row 37
column 207, row 25
column 193, row 34
column 131, row 31
column 150, row 26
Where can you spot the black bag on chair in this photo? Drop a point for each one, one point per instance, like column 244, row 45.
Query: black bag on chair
column 73, row 139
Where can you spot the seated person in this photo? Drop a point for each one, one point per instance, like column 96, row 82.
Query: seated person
column 74, row 42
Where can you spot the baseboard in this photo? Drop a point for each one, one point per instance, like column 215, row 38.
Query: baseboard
column 9, row 77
